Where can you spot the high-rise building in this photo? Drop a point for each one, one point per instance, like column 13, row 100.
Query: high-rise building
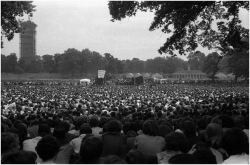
column 28, row 41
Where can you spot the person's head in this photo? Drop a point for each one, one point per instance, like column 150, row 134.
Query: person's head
column 85, row 129
column 112, row 159
column 43, row 129
column 235, row 142
column 188, row 127
column 239, row 122
column 113, row 126
column 59, row 131
column 22, row 131
column 20, row 157
column 9, row 142
column 182, row 159
column 91, row 149
column 94, row 122
column 164, row 130
column 134, row 157
column 214, row 133
column 176, row 141
column 150, row 128
column 204, row 156
column 47, row 148
column 224, row 120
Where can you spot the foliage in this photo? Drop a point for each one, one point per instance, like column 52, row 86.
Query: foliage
column 211, row 24
column 239, row 63
column 211, row 66
column 196, row 60
column 76, row 62
column 10, row 12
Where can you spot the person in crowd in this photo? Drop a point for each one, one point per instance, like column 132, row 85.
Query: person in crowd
column 112, row 159
column 175, row 143
column 85, row 130
column 9, row 143
column 182, row 159
column 204, row 155
column 91, row 150
column 30, row 144
column 236, row 144
column 47, row 149
column 19, row 157
column 150, row 143
column 94, row 124
column 114, row 143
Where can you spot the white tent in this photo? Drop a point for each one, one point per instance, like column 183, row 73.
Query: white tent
column 85, row 81
column 129, row 75
column 146, row 75
column 137, row 75
column 157, row 76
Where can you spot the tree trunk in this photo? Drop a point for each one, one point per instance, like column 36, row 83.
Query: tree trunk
column 235, row 78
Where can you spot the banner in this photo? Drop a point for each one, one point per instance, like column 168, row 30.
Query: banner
column 101, row 73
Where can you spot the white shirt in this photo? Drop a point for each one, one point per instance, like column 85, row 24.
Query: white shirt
column 76, row 143
column 237, row 159
column 96, row 131
column 30, row 144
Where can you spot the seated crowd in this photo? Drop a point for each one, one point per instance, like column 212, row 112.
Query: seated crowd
column 162, row 124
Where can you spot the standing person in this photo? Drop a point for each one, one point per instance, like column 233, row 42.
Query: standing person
column 176, row 143
column 236, row 143
column 91, row 150
column 114, row 143
column 47, row 149
column 150, row 143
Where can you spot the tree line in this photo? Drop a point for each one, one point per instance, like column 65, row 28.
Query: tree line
column 75, row 62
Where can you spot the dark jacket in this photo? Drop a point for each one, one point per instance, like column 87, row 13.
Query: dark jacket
column 114, row 144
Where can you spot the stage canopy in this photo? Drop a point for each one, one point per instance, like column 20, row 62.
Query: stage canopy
column 85, row 81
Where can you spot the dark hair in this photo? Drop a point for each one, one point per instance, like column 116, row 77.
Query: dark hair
column 59, row 131
column 164, row 130
column 22, row 131
column 134, row 157
column 150, row 128
column 47, row 147
column 85, row 129
column 189, row 128
column 9, row 142
column 224, row 120
column 176, row 141
column 113, row 126
column 66, row 126
column 204, row 156
column 91, row 149
column 239, row 121
column 235, row 142
column 43, row 129
column 93, row 122
column 182, row 159
column 112, row 159
column 20, row 157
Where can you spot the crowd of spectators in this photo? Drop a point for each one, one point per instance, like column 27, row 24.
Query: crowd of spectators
column 59, row 122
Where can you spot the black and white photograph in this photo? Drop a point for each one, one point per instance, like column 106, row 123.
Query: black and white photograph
column 124, row 82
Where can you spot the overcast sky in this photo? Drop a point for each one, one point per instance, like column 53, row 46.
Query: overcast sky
column 63, row 24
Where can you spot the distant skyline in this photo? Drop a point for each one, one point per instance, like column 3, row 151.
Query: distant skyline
column 63, row 24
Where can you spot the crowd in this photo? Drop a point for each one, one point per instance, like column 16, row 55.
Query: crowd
column 62, row 123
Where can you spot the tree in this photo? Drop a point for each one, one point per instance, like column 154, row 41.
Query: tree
column 211, row 66
column 3, row 63
column 196, row 60
column 238, row 64
column 188, row 22
column 10, row 11
column 48, row 63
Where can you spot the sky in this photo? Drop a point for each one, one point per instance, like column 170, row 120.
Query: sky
column 63, row 24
